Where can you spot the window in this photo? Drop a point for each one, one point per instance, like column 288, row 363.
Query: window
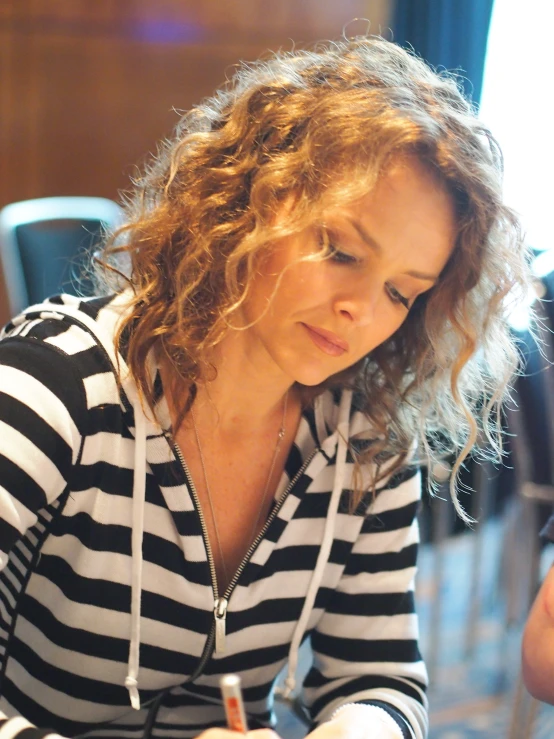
column 515, row 103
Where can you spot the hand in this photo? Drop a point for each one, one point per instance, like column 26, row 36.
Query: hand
column 358, row 721
column 338, row 730
column 228, row 734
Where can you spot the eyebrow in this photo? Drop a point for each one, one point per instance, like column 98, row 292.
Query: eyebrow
column 378, row 249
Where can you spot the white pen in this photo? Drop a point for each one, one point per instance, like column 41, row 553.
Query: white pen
column 232, row 700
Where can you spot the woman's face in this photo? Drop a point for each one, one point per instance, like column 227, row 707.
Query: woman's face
column 312, row 319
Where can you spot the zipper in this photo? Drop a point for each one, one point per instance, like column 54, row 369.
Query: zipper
column 220, row 614
column 217, row 633
column 209, row 645
column 196, row 500
column 268, row 523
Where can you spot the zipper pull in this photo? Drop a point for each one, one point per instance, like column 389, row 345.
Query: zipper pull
column 220, row 613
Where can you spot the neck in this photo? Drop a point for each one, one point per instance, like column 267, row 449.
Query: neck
column 240, row 397
column 232, row 406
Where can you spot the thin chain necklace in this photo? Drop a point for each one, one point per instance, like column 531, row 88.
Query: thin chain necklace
column 280, row 437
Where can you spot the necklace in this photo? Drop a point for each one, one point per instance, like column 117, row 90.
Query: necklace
column 280, row 437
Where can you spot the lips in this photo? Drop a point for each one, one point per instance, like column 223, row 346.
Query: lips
column 327, row 341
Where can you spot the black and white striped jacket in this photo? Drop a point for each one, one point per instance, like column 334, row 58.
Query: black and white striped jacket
column 96, row 514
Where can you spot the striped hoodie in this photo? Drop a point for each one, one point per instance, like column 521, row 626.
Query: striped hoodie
column 110, row 620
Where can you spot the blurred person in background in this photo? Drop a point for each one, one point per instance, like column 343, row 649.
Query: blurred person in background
column 538, row 635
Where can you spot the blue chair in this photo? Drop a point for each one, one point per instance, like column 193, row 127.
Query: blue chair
column 45, row 245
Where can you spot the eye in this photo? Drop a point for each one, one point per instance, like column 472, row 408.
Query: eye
column 397, row 297
column 339, row 257
column 332, row 252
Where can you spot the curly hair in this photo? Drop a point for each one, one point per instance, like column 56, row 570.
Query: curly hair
column 312, row 129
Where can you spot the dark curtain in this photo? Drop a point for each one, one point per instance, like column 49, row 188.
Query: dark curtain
column 449, row 34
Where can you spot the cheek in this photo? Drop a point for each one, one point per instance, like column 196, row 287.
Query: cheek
column 303, row 285
column 382, row 328
column 263, row 295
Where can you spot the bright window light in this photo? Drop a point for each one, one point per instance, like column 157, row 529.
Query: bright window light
column 516, row 104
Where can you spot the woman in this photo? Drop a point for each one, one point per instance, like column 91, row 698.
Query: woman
column 219, row 457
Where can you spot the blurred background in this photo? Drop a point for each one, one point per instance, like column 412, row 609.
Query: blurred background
column 88, row 88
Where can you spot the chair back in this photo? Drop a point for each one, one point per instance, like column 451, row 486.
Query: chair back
column 45, row 245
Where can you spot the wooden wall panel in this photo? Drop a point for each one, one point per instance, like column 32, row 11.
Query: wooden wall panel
column 88, row 88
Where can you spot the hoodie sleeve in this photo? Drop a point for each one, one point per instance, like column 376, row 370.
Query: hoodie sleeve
column 365, row 645
column 42, row 406
column 42, row 416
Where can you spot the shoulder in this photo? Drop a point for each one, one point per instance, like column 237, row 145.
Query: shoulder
column 336, row 403
column 68, row 323
column 43, row 346
column 390, row 480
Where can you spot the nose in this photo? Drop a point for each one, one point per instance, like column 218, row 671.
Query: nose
column 358, row 304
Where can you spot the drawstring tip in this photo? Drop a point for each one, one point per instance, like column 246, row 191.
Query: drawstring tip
column 132, row 686
column 288, row 689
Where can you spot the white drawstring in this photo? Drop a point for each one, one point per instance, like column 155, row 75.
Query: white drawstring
column 139, row 482
column 139, row 493
column 326, row 544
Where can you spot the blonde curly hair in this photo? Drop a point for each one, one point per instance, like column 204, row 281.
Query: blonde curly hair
column 313, row 129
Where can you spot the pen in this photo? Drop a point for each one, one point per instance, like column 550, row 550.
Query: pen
column 232, row 700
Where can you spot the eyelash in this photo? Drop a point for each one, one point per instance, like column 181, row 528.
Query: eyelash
column 397, row 297
column 341, row 257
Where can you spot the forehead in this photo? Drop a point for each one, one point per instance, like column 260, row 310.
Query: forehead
column 408, row 214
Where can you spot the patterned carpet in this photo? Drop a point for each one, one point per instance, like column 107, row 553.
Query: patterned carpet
column 473, row 688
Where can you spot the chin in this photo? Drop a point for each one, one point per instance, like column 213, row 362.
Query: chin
column 309, row 382
column 340, row 376
column 314, row 378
